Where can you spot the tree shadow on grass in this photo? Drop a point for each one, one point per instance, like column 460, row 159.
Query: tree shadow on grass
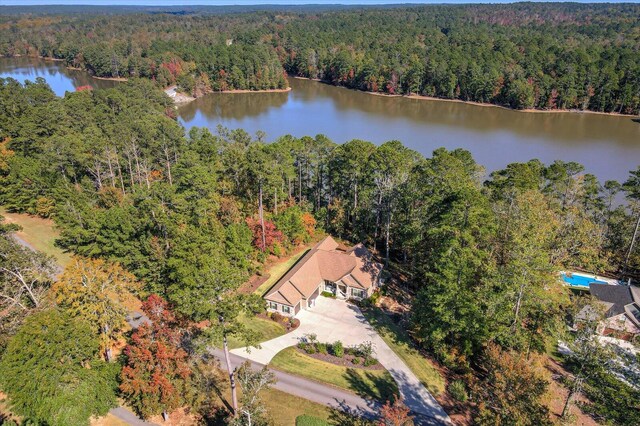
column 344, row 415
column 374, row 387
column 211, row 381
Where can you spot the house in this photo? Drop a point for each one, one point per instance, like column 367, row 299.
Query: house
column 347, row 273
column 621, row 304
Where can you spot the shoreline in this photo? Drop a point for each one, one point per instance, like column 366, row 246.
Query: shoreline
column 120, row 79
column 181, row 99
column 288, row 89
column 479, row 104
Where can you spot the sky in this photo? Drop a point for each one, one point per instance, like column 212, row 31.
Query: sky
column 253, row 2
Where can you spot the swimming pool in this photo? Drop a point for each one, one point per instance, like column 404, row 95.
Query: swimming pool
column 577, row 280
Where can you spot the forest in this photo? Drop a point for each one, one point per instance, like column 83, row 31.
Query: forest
column 180, row 221
column 526, row 55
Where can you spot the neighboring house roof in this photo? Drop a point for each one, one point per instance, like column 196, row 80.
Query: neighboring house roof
column 618, row 299
column 329, row 261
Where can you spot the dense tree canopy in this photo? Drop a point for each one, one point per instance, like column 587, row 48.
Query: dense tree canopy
column 551, row 56
column 191, row 216
column 52, row 372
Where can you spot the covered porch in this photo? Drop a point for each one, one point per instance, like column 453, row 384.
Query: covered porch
column 342, row 290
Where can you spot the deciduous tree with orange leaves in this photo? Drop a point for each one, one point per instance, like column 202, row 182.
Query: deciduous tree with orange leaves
column 394, row 414
column 156, row 377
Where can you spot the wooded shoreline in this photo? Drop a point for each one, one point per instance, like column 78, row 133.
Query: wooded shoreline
column 480, row 104
column 411, row 96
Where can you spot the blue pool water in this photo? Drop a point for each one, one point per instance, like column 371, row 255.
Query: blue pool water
column 577, row 280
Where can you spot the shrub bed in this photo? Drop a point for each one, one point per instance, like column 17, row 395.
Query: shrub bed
column 360, row 356
column 288, row 322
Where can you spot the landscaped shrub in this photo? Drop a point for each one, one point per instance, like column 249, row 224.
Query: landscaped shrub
column 458, row 390
column 322, row 348
column 307, row 420
column 337, row 349
column 355, row 361
column 309, row 343
column 374, row 297
column 328, row 294
column 370, row 361
column 277, row 317
column 294, row 323
column 365, row 350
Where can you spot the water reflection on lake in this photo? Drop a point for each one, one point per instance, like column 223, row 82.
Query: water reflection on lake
column 60, row 78
column 608, row 146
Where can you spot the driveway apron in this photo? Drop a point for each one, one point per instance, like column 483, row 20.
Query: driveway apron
column 332, row 320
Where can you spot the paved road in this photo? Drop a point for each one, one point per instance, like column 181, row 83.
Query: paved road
column 332, row 320
column 128, row 417
column 311, row 390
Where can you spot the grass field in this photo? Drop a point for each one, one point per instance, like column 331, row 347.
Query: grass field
column 277, row 271
column 377, row 384
column 284, row 407
column 39, row 233
column 400, row 343
column 265, row 328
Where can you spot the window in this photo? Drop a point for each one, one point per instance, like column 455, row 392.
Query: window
column 286, row 309
column 633, row 308
column 356, row 292
column 273, row 305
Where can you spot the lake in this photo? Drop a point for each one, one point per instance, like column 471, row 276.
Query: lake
column 60, row 78
column 608, row 146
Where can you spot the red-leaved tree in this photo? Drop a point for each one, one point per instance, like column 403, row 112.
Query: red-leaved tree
column 271, row 234
column 394, row 414
column 156, row 377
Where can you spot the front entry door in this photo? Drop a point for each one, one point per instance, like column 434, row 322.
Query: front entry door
column 342, row 291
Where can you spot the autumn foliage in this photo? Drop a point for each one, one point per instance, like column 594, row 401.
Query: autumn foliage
column 309, row 223
column 156, row 377
column 272, row 235
column 394, row 414
column 512, row 388
column 99, row 292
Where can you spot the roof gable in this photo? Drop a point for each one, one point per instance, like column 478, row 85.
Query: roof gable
column 325, row 261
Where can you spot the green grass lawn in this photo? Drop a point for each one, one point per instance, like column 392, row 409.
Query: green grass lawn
column 377, row 384
column 39, row 233
column 265, row 328
column 284, row 408
column 400, row 343
column 277, row 271
column 307, row 420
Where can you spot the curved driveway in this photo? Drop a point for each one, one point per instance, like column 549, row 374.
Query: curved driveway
column 333, row 320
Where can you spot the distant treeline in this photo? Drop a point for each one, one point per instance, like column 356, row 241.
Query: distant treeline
column 548, row 56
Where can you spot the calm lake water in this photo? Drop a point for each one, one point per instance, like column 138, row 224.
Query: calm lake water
column 57, row 75
column 608, row 146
